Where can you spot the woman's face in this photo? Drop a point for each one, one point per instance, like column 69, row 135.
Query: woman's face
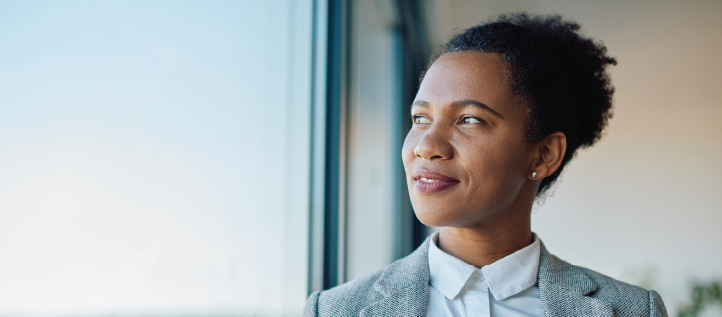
column 466, row 156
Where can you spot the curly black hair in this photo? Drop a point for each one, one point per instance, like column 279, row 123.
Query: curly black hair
column 560, row 74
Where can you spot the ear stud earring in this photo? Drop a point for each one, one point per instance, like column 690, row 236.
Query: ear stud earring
column 533, row 174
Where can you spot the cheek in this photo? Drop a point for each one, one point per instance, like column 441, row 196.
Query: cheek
column 496, row 171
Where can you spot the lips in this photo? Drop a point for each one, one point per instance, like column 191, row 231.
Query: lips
column 429, row 182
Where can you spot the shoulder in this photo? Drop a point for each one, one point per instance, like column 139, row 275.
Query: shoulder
column 352, row 297
column 613, row 290
column 622, row 298
column 349, row 298
column 346, row 299
column 625, row 297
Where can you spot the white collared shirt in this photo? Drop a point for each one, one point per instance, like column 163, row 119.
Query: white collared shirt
column 507, row 287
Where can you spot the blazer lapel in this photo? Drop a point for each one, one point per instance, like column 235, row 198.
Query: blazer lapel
column 565, row 290
column 404, row 286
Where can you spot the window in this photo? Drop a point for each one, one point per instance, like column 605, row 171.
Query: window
column 155, row 157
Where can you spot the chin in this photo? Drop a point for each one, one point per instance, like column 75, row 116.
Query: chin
column 448, row 214
column 429, row 218
column 435, row 217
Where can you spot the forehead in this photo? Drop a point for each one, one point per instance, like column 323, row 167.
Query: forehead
column 465, row 75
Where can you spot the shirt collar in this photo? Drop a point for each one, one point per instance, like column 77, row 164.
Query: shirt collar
column 506, row 277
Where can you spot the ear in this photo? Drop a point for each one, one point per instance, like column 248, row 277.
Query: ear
column 548, row 155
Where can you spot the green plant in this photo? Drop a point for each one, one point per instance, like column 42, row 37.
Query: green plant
column 703, row 294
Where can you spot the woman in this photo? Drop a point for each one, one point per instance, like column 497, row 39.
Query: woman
column 500, row 111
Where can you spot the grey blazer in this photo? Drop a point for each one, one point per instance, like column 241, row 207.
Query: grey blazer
column 402, row 288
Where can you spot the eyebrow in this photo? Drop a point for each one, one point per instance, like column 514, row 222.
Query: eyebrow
column 461, row 104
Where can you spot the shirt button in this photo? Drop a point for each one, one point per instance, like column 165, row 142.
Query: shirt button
column 479, row 278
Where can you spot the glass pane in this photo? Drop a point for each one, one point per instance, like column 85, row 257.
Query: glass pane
column 154, row 157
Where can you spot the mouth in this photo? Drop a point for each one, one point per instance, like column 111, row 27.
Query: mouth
column 429, row 182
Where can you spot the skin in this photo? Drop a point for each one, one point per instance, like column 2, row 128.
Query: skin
column 468, row 125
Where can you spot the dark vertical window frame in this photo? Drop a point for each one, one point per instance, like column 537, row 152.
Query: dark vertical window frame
column 415, row 49
column 336, row 143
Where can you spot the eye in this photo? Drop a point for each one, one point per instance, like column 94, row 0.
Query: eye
column 471, row 120
column 420, row 119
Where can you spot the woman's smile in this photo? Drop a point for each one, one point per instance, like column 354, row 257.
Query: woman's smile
column 429, row 182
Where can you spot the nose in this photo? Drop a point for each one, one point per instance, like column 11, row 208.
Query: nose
column 434, row 145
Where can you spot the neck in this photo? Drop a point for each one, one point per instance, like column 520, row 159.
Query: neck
column 487, row 243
